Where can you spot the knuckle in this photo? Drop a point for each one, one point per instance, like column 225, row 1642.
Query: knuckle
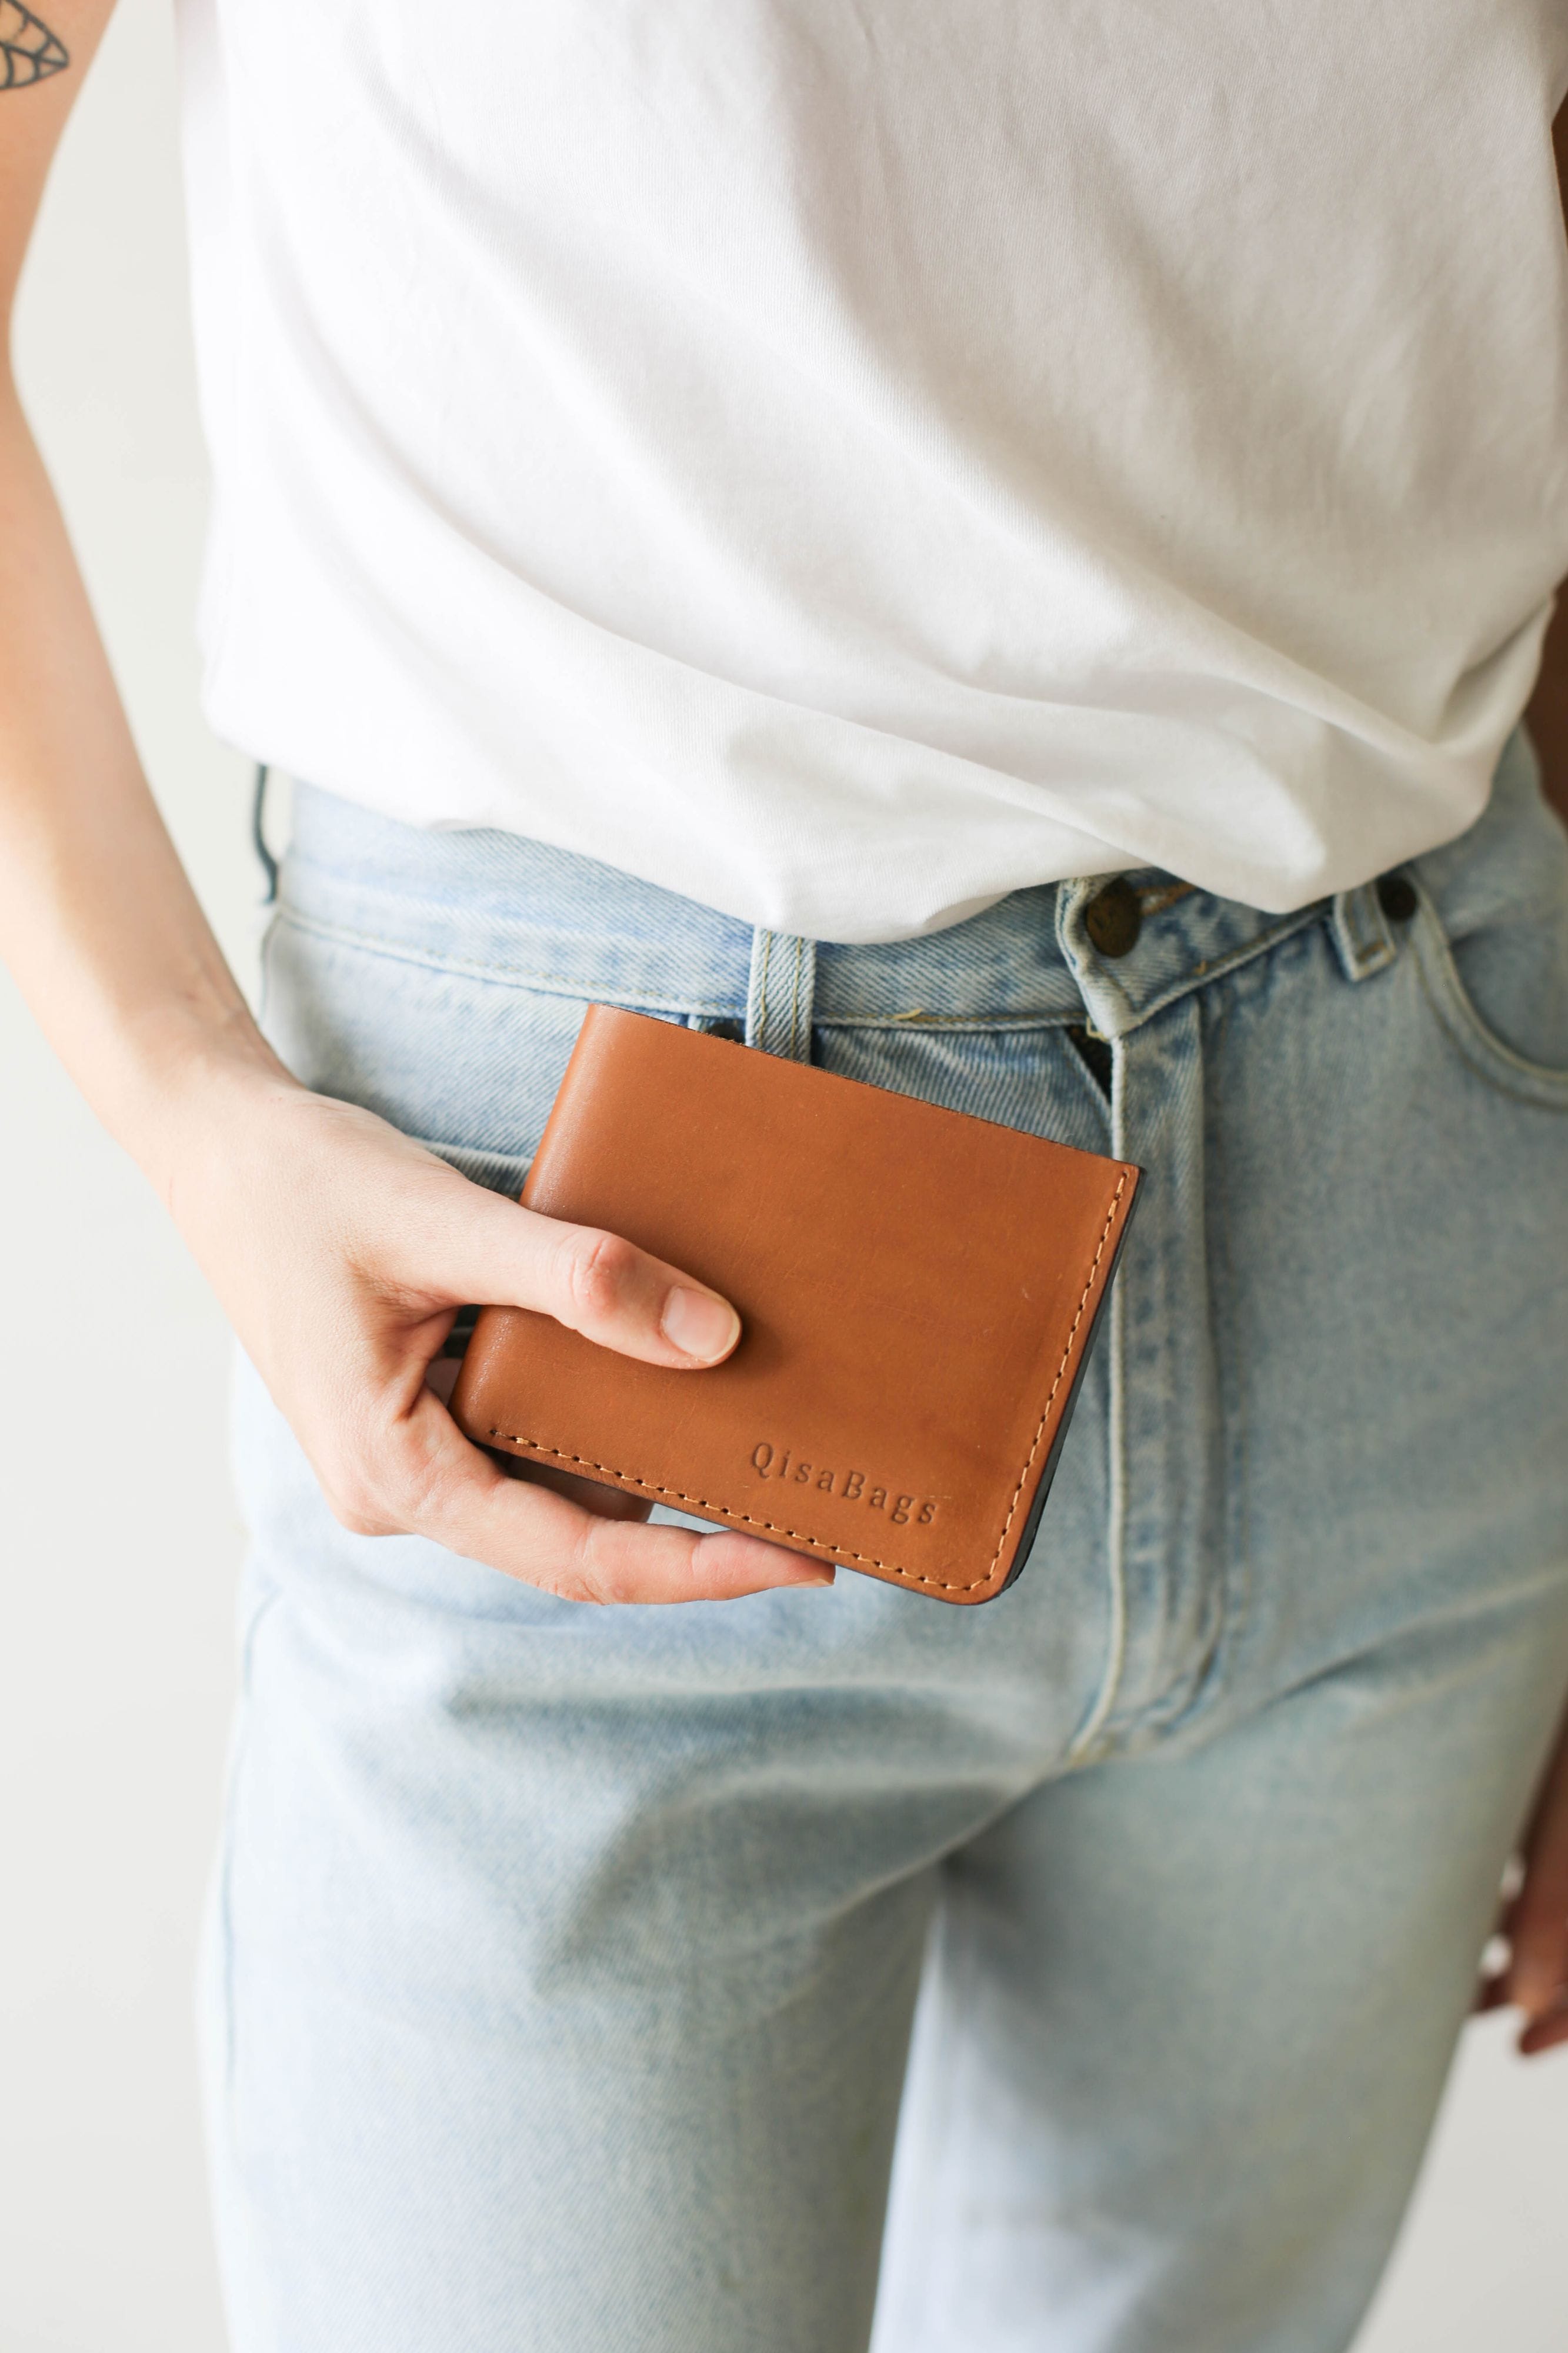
column 354, row 1507
column 563, row 1585
column 390, row 1494
column 415, row 1488
column 597, row 1272
column 612, row 1571
column 577, row 1574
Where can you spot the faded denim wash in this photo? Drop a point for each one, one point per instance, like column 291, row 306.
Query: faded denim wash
column 564, row 1961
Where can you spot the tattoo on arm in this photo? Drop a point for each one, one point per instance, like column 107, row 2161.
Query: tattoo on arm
column 29, row 52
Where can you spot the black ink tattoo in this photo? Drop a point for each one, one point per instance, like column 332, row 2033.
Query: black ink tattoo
column 29, row 52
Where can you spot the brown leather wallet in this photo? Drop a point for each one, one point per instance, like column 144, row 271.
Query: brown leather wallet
column 919, row 1290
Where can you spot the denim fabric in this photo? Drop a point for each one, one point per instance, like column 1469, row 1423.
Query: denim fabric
column 564, row 1961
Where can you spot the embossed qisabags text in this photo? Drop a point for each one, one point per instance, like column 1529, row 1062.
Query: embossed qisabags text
column 850, row 1486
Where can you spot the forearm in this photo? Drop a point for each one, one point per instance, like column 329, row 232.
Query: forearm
column 339, row 1248
column 97, row 920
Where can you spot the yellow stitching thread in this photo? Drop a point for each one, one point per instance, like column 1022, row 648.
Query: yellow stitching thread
column 845, row 1552
column 1045, row 1415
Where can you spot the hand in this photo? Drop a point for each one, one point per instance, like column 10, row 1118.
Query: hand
column 343, row 1252
column 1534, row 1921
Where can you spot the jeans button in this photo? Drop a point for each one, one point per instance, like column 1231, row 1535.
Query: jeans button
column 1113, row 918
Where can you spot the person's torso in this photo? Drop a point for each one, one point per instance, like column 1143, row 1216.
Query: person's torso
column 870, row 456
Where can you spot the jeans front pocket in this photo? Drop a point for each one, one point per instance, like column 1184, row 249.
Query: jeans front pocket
column 1490, row 938
column 464, row 1064
column 1458, row 983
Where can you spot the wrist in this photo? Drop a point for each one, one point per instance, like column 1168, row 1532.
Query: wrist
column 192, row 1083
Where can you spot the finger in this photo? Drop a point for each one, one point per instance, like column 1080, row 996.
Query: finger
column 1491, row 1976
column 1537, row 1971
column 432, row 1483
column 1538, row 1917
column 595, row 1283
column 588, row 1494
column 1544, row 2034
column 537, row 1535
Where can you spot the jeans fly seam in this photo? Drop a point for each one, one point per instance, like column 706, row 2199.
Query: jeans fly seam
column 1172, row 1713
column 1236, row 1573
column 1116, row 1548
column 1116, row 1468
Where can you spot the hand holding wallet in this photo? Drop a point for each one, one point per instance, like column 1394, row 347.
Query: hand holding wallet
column 918, row 1291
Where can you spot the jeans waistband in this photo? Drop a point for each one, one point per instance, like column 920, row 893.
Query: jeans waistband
column 519, row 912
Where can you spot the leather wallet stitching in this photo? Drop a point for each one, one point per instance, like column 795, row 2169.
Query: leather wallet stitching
column 845, row 1552
column 1061, row 1369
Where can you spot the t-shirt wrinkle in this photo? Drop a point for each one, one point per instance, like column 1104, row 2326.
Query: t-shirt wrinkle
column 853, row 462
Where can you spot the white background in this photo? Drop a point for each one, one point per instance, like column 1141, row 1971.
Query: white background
column 117, row 1536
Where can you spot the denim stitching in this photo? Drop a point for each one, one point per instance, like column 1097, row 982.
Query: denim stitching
column 559, row 985
column 552, row 984
column 761, row 1038
column 795, row 1054
column 1492, row 1060
column 1214, row 969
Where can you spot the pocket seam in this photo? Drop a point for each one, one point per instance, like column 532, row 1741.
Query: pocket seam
column 514, row 977
column 1477, row 1044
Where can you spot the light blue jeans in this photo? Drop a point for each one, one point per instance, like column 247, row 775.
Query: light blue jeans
column 564, row 1961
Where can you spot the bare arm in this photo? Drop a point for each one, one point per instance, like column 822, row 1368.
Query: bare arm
column 97, row 917
column 340, row 1250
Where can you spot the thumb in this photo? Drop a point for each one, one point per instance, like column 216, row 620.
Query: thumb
column 595, row 1283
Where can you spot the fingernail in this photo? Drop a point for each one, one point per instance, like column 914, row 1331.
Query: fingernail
column 700, row 1325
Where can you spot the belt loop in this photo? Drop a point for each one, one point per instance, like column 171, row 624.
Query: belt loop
column 1360, row 932
column 780, row 993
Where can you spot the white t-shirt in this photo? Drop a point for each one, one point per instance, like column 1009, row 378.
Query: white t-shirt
column 845, row 462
